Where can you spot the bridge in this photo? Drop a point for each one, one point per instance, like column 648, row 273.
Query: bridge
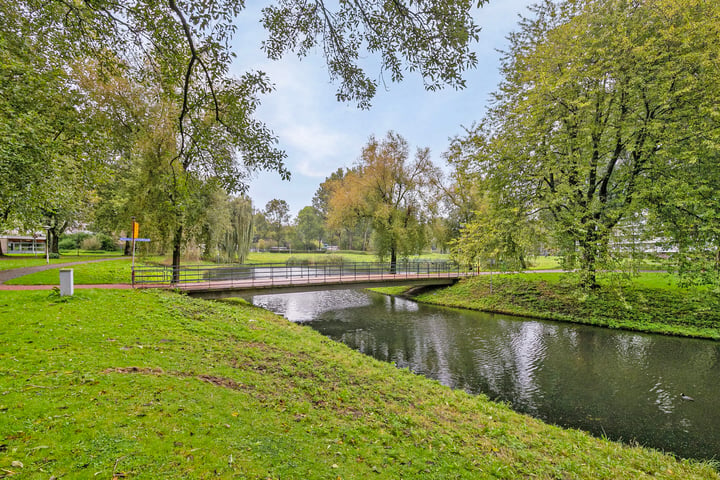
column 218, row 281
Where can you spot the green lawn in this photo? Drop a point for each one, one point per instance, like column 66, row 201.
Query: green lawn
column 147, row 385
column 112, row 271
column 20, row 261
column 544, row 263
column 267, row 257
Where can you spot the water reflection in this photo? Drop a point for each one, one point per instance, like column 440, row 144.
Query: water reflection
column 622, row 385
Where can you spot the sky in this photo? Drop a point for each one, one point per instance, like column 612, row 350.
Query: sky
column 320, row 134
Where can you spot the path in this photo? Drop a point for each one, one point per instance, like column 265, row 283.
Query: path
column 6, row 275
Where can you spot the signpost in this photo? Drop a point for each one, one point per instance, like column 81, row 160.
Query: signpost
column 135, row 231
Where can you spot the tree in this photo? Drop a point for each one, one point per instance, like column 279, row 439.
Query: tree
column 277, row 213
column 596, row 102
column 48, row 154
column 391, row 192
column 235, row 240
column 309, row 226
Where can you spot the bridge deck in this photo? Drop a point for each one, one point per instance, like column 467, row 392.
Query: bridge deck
column 220, row 288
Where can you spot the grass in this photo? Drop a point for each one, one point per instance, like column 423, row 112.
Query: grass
column 138, row 384
column 544, row 263
column 91, row 253
column 110, row 272
column 652, row 302
column 347, row 256
column 22, row 261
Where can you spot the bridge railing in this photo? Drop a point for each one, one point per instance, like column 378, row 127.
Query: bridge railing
column 269, row 274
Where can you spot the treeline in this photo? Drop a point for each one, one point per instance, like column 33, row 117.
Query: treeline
column 387, row 203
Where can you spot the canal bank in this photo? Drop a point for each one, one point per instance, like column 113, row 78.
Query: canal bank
column 622, row 385
column 652, row 302
column 153, row 384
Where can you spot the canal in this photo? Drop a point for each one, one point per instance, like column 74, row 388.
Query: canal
column 625, row 386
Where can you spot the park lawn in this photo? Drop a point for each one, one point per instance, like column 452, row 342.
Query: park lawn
column 109, row 272
column 544, row 263
column 140, row 384
column 10, row 262
column 651, row 302
column 348, row 257
column 90, row 253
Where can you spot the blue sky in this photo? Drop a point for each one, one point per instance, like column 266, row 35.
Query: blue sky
column 320, row 134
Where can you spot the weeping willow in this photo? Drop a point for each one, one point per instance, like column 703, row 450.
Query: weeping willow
column 235, row 241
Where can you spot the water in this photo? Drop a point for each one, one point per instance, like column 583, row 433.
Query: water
column 623, row 385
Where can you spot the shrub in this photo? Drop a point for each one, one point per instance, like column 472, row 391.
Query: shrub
column 91, row 243
column 67, row 244
column 316, row 260
column 107, row 243
column 72, row 241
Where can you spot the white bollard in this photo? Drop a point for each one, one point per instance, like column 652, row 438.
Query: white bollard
column 66, row 282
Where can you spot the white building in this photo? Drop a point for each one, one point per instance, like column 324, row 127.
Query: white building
column 15, row 243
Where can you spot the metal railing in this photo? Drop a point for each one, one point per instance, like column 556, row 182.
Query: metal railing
column 271, row 274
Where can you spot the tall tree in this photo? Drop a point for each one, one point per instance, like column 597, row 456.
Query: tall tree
column 277, row 213
column 597, row 100
column 49, row 154
column 235, row 240
column 310, row 226
column 392, row 192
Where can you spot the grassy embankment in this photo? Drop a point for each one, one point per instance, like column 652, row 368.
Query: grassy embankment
column 652, row 302
column 138, row 384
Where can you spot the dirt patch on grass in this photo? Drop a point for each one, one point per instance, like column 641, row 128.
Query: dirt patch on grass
column 142, row 370
column 212, row 379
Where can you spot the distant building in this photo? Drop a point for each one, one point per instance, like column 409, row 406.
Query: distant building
column 15, row 243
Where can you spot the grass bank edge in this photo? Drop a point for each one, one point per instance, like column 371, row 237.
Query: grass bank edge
column 649, row 303
column 228, row 389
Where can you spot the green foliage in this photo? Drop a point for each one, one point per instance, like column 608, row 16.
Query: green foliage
column 226, row 389
column 605, row 104
column 316, row 260
column 310, row 227
column 277, row 213
column 388, row 191
column 72, row 241
column 426, row 36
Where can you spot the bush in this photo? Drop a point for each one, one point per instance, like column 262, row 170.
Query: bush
column 91, row 243
column 107, row 243
column 67, row 244
column 72, row 241
column 316, row 260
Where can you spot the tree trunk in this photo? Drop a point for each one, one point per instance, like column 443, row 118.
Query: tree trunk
column 127, row 251
column 393, row 260
column 523, row 263
column 588, row 260
column 177, row 243
column 55, row 244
